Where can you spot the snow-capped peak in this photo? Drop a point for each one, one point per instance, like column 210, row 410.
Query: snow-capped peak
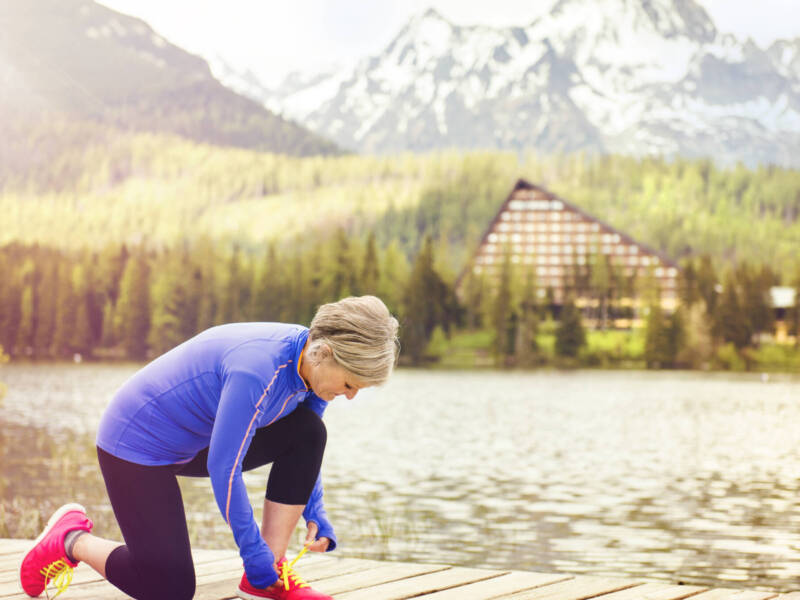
column 632, row 76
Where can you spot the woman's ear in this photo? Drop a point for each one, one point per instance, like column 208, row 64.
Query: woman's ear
column 324, row 351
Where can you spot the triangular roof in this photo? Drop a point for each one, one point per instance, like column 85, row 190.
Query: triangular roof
column 523, row 184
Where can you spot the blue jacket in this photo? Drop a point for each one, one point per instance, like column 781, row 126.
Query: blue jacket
column 214, row 391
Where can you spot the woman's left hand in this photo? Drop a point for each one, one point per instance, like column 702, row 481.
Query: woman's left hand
column 314, row 544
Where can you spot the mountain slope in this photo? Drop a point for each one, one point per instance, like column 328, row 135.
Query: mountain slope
column 633, row 76
column 78, row 60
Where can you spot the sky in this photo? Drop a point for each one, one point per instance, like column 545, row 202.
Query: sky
column 275, row 38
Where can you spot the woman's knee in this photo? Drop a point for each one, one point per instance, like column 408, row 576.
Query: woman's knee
column 169, row 580
column 313, row 429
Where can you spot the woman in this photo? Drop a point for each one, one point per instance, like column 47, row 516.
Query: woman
column 233, row 398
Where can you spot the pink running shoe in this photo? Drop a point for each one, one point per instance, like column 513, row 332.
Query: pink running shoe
column 47, row 561
column 288, row 587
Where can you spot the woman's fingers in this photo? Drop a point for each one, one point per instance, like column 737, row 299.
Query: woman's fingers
column 314, row 544
column 311, row 536
column 321, row 545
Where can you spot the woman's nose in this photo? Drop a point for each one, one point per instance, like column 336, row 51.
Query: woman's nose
column 350, row 394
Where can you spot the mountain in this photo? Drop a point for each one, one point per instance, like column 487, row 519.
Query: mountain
column 637, row 77
column 78, row 61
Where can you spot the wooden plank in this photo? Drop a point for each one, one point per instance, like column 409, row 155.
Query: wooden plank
column 499, row 587
column 656, row 591
column 384, row 574
column 578, row 588
column 421, row 584
column 217, row 590
column 733, row 594
column 320, row 569
column 790, row 596
column 203, row 559
column 342, row 566
column 10, row 564
column 11, row 546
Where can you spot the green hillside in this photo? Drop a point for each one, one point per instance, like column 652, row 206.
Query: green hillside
column 163, row 190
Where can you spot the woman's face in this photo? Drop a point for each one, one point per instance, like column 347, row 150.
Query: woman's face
column 327, row 379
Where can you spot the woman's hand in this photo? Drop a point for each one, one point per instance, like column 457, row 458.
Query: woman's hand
column 314, row 544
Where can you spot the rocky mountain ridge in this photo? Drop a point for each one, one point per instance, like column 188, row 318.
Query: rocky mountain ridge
column 640, row 77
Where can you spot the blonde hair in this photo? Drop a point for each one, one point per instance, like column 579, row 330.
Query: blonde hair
column 361, row 334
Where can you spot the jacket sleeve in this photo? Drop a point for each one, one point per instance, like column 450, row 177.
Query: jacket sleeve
column 315, row 508
column 245, row 401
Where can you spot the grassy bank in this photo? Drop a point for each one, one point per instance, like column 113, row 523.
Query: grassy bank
column 603, row 349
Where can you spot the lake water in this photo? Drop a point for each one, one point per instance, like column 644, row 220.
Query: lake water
column 663, row 476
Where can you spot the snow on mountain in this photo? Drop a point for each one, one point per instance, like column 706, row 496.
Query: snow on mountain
column 631, row 76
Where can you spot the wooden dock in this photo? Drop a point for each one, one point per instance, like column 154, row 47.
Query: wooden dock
column 219, row 572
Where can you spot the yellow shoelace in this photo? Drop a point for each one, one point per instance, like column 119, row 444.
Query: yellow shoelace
column 58, row 573
column 287, row 572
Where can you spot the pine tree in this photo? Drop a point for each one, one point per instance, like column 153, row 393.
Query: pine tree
column 170, row 305
column 81, row 341
column 343, row 281
column 475, row 291
column 47, row 293
column 394, row 276
column 570, row 334
column 731, row 323
column 27, row 321
column 370, row 274
column 503, row 313
column 268, row 298
column 10, row 302
column 66, row 311
column 601, row 286
column 707, row 283
column 133, row 308
column 428, row 301
column 698, row 347
column 664, row 338
column 525, row 346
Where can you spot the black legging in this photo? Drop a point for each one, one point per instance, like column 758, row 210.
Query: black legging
column 156, row 561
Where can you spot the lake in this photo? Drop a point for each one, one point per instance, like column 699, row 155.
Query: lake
column 690, row 477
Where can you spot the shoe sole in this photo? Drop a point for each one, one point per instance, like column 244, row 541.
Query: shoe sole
column 50, row 523
column 248, row 596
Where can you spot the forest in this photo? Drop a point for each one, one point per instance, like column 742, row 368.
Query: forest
column 131, row 244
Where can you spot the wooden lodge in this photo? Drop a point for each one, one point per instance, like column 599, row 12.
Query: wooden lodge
column 561, row 243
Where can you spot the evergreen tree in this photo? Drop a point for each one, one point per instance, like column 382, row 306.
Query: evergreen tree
column 47, row 294
column 698, row 347
column 66, row 311
column 234, row 292
column 343, row 281
column 206, row 262
column 707, row 283
column 664, row 338
column 504, row 319
column 27, row 322
column 570, row 334
column 601, row 286
column 475, row 292
column 370, row 274
column 10, row 302
column 731, row 323
column 24, row 343
column 82, row 337
column 266, row 296
column 428, row 301
column 393, row 277
column 525, row 346
column 133, row 308
column 753, row 286
column 173, row 312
